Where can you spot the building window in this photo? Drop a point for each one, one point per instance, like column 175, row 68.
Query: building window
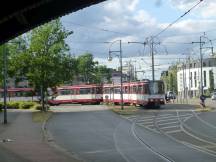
column 191, row 80
column 211, row 80
column 209, row 63
column 194, row 65
column 204, row 64
column 190, row 65
column 195, row 80
column 204, row 75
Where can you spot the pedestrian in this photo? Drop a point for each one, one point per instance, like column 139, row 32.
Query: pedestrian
column 202, row 100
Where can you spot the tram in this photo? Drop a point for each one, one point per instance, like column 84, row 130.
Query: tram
column 82, row 94
column 142, row 93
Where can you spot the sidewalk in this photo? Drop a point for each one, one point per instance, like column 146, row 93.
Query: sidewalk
column 195, row 101
column 28, row 142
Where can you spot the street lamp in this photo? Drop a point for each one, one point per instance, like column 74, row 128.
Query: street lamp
column 5, row 80
column 120, row 61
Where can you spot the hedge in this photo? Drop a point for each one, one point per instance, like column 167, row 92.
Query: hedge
column 19, row 105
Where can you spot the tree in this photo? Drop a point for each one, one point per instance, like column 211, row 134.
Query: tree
column 170, row 79
column 85, row 67
column 46, row 62
column 102, row 73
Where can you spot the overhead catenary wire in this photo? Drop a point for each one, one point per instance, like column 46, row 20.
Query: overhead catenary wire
column 96, row 28
column 171, row 24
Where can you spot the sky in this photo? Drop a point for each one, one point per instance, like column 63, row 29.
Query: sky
column 136, row 21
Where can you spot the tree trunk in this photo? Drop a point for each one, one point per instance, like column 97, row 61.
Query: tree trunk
column 42, row 98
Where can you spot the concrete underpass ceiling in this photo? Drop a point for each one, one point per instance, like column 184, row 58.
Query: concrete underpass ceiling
column 18, row 17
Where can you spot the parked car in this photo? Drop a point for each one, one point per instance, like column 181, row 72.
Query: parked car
column 170, row 96
column 213, row 97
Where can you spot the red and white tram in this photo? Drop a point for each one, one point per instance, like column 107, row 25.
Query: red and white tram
column 135, row 93
column 141, row 93
column 157, row 93
column 77, row 94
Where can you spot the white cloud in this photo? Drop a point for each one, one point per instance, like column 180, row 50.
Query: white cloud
column 142, row 16
column 209, row 10
column 206, row 8
column 119, row 6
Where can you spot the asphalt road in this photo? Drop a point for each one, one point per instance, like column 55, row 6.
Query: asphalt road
column 172, row 133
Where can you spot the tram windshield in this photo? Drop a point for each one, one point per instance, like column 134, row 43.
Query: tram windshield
column 156, row 87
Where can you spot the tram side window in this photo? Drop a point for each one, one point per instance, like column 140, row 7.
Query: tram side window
column 98, row 90
column 93, row 90
column 72, row 91
column 85, row 91
column 140, row 90
column 117, row 90
column 134, row 89
column 126, row 90
column 106, row 90
column 65, row 92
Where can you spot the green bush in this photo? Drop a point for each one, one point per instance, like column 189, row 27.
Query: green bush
column 13, row 104
column 1, row 105
column 37, row 107
column 26, row 105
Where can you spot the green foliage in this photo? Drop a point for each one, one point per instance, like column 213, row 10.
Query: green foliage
column 85, row 67
column 26, row 105
column 19, row 105
column 13, row 104
column 101, row 73
column 46, row 62
column 170, row 80
column 90, row 71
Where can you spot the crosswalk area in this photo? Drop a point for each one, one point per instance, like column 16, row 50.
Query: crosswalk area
column 167, row 123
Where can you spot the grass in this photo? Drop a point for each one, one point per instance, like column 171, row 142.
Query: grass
column 128, row 110
column 40, row 117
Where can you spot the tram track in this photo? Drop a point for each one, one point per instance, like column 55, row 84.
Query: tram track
column 185, row 133
column 147, row 145
column 174, row 127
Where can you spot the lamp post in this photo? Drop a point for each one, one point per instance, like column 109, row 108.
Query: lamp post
column 120, row 61
column 5, row 84
column 5, row 80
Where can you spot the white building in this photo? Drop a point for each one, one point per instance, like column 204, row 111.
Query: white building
column 189, row 77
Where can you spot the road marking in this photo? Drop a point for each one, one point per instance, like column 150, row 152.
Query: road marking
column 175, row 126
column 172, row 119
column 146, row 117
column 160, row 124
column 148, row 146
column 186, row 115
column 165, row 114
column 174, row 131
column 148, row 122
column 203, row 121
column 143, row 120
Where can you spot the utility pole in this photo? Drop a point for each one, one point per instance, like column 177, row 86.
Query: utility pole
column 201, row 43
column 190, row 79
column 120, row 59
column 151, row 44
column 152, row 57
column 121, row 73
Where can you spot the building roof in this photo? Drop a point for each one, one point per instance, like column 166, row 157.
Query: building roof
column 18, row 17
column 207, row 62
